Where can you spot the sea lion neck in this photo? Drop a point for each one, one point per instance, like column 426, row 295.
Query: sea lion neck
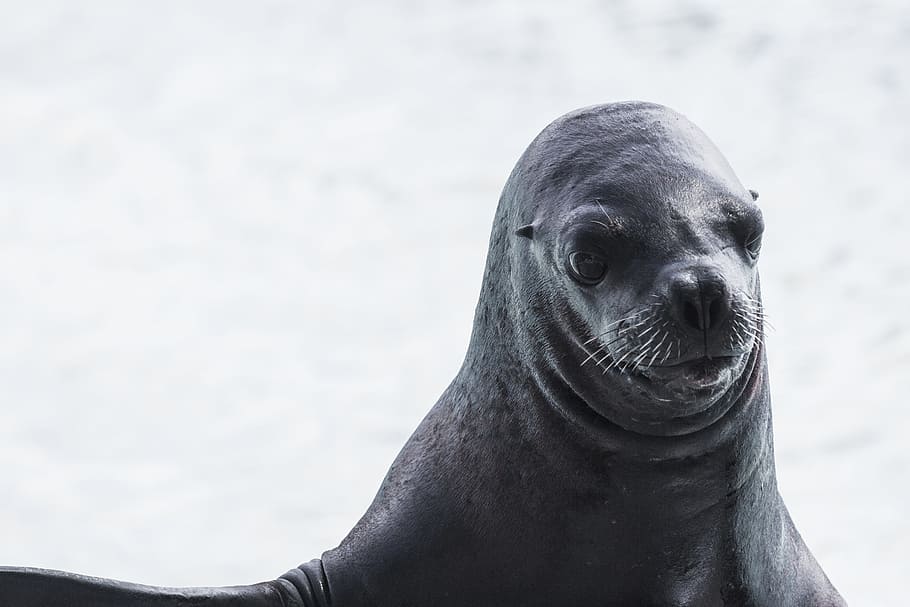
column 689, row 483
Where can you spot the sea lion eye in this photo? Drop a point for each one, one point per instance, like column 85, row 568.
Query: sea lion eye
column 753, row 245
column 586, row 267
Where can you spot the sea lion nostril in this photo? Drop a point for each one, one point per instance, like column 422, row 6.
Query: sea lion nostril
column 715, row 313
column 701, row 301
column 691, row 315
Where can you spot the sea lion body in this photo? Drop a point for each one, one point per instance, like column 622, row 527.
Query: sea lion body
column 607, row 440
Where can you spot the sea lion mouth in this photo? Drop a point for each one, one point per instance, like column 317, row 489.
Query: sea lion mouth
column 699, row 375
column 690, row 380
column 654, row 353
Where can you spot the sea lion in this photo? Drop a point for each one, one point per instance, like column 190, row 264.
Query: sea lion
column 607, row 440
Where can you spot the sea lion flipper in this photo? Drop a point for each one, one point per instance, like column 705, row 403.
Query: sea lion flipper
column 27, row 587
column 308, row 584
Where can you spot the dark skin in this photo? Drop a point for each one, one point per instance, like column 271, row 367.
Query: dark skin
column 608, row 438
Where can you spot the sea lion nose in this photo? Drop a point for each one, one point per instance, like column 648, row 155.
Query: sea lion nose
column 701, row 299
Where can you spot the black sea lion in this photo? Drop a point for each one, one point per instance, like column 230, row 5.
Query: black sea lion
column 607, row 440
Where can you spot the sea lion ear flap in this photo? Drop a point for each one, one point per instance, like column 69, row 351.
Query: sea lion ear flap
column 754, row 194
column 526, row 231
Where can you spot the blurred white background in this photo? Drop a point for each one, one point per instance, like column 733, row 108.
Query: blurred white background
column 241, row 245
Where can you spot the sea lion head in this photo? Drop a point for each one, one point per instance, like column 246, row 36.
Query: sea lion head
column 631, row 266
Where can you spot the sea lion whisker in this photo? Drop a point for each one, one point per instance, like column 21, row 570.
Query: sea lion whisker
column 620, row 349
column 748, row 328
column 608, row 367
column 601, row 348
column 646, row 331
column 647, row 343
column 747, row 333
column 610, row 342
column 657, row 348
column 641, row 322
column 756, row 309
column 642, row 353
column 623, row 363
column 637, row 362
column 592, row 355
column 596, row 337
column 654, row 357
column 753, row 335
column 618, row 361
column 737, row 324
column 669, row 350
column 610, row 326
column 742, row 322
column 745, row 321
column 740, row 338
